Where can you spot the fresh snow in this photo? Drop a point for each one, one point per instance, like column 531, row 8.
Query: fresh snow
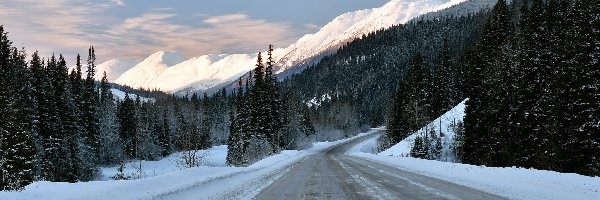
column 317, row 102
column 170, row 72
column 120, row 95
column 163, row 179
column 146, row 71
column 444, row 124
column 510, row 182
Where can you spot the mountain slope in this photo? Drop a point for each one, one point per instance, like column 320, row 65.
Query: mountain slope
column 204, row 72
column 113, row 68
column 146, row 71
column 352, row 25
column 208, row 72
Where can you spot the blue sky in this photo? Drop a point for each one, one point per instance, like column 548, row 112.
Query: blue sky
column 134, row 29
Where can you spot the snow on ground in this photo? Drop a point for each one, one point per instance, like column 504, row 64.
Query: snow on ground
column 118, row 94
column 213, row 157
column 511, row 182
column 163, row 179
column 447, row 122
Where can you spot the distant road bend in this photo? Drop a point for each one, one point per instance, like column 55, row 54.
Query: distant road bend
column 333, row 175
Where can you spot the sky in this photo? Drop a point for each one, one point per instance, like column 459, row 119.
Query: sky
column 134, row 29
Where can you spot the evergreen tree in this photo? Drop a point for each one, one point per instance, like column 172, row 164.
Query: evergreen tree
column 240, row 130
column 89, row 109
column 443, row 86
column 485, row 85
column 419, row 106
column 257, row 99
column 164, row 139
column 398, row 125
column 111, row 146
column 418, row 150
column 128, row 126
column 272, row 105
column 17, row 130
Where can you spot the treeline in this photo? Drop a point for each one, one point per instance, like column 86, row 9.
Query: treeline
column 534, row 88
column 263, row 123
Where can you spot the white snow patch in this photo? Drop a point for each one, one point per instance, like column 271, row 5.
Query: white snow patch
column 444, row 124
column 118, row 94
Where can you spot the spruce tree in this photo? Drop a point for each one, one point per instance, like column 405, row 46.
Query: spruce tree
column 111, row 145
column 272, row 105
column 240, row 130
column 17, row 150
column 89, row 108
column 128, row 126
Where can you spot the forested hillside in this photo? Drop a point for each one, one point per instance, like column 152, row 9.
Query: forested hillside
column 365, row 73
column 533, row 86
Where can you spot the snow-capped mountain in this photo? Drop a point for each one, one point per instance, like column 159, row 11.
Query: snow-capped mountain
column 201, row 73
column 168, row 71
column 146, row 71
column 113, row 68
column 353, row 25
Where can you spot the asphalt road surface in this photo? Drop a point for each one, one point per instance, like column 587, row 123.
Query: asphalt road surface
column 333, row 175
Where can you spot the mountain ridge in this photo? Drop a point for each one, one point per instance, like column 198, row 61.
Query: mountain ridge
column 310, row 48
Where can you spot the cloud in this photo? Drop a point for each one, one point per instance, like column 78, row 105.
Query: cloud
column 119, row 2
column 311, row 26
column 61, row 26
column 70, row 26
column 226, row 19
column 232, row 33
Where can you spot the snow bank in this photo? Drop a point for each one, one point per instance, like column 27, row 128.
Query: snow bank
column 444, row 124
column 213, row 157
column 511, row 182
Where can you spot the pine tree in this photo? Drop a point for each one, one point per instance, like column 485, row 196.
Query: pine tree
column 257, row 99
column 418, row 149
column 240, row 130
column 111, row 146
column 128, row 126
column 486, row 90
column 272, row 105
column 89, row 109
column 443, row 87
column 398, row 125
column 419, row 106
column 307, row 126
column 17, row 151
column 164, row 139
column 584, row 104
